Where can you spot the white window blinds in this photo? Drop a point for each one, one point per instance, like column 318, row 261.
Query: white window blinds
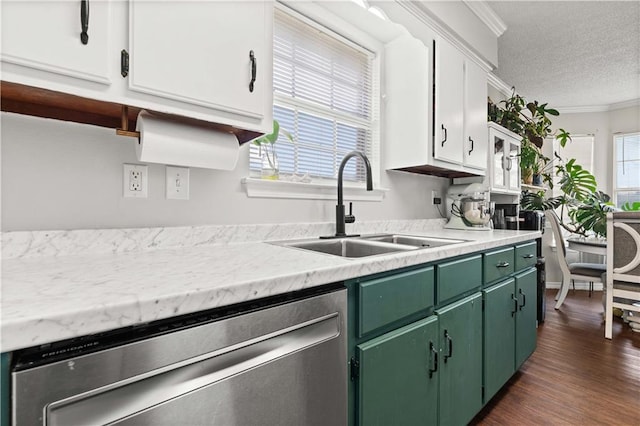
column 627, row 169
column 322, row 96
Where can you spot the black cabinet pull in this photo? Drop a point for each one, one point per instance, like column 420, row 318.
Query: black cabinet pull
column 515, row 304
column 445, row 134
column 524, row 299
column 528, row 256
column 449, row 345
column 252, row 57
column 471, row 150
column 84, row 21
column 502, row 264
column 434, row 352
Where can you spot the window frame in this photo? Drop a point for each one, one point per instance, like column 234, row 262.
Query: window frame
column 324, row 188
column 614, row 168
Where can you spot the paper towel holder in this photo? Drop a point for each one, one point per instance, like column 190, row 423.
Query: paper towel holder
column 124, row 125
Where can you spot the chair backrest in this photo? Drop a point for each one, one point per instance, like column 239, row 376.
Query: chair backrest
column 623, row 245
column 557, row 235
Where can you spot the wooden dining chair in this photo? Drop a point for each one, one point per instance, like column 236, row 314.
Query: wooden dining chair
column 589, row 272
column 623, row 268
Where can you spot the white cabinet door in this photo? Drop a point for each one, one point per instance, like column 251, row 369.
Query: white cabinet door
column 449, row 103
column 475, row 116
column 513, row 168
column 45, row 36
column 504, row 166
column 202, row 53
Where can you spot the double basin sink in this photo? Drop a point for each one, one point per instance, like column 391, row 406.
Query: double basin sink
column 370, row 245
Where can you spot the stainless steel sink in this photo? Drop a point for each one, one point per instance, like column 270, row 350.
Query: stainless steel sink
column 410, row 240
column 348, row 247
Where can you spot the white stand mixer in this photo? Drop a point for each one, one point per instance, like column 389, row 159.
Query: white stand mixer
column 468, row 207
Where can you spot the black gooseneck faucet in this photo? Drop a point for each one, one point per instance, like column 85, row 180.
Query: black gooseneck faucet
column 341, row 218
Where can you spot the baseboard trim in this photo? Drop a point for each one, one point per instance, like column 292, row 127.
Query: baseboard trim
column 580, row 285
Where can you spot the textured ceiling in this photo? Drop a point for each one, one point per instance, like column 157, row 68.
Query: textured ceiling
column 571, row 53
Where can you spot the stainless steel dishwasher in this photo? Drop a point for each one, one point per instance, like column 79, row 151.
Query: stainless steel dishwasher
column 281, row 361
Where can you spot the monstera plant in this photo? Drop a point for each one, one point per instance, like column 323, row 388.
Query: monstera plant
column 586, row 207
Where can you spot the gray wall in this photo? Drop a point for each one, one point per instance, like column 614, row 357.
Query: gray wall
column 59, row 175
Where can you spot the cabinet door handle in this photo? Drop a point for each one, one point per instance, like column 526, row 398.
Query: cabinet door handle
column 252, row 58
column 84, row 21
column 502, row 264
column 434, row 352
column 471, row 150
column 515, row 304
column 445, row 134
column 449, row 346
column 524, row 300
column 527, row 256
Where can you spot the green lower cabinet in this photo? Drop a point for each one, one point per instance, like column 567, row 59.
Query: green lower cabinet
column 499, row 336
column 526, row 318
column 509, row 322
column 460, row 363
column 5, row 388
column 398, row 384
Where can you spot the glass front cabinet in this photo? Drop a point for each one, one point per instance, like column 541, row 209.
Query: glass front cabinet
column 504, row 160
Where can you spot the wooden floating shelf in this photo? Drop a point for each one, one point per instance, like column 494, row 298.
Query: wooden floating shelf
column 532, row 188
column 37, row 102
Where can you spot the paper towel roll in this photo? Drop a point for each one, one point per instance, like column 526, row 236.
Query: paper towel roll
column 170, row 142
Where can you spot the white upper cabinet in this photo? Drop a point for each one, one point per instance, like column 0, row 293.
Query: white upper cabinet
column 215, row 54
column 43, row 38
column 407, row 98
column 449, row 102
column 475, row 116
column 208, row 60
column 436, row 118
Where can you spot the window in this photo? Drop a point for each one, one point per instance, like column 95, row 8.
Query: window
column 323, row 96
column 626, row 171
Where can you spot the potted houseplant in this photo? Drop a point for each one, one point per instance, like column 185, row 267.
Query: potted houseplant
column 270, row 168
column 530, row 120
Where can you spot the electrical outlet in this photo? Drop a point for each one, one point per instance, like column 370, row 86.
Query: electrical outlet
column 177, row 183
column 134, row 181
column 435, row 198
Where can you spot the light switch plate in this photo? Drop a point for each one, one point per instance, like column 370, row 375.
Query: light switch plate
column 177, row 183
column 135, row 183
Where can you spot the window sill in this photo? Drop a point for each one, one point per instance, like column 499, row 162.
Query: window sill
column 262, row 188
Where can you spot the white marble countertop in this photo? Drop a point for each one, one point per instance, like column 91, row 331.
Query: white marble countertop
column 54, row 297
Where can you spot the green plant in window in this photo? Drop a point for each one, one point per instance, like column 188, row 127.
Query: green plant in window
column 267, row 151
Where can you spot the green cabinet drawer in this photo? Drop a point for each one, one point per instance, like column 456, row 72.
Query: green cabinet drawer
column 498, row 264
column 525, row 255
column 457, row 277
column 388, row 299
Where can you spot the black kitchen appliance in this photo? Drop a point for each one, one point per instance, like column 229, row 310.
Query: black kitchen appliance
column 510, row 215
column 533, row 220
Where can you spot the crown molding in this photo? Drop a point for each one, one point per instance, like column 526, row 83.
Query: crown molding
column 582, row 109
column 626, row 104
column 599, row 108
column 495, row 82
column 487, row 15
column 443, row 31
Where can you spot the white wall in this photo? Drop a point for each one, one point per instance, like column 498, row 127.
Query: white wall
column 60, row 175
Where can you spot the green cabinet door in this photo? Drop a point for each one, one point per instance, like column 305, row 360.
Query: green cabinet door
column 397, row 384
column 460, row 363
column 5, row 388
column 526, row 334
column 499, row 335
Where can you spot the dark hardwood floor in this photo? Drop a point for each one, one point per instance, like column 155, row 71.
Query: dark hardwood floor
column 575, row 376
